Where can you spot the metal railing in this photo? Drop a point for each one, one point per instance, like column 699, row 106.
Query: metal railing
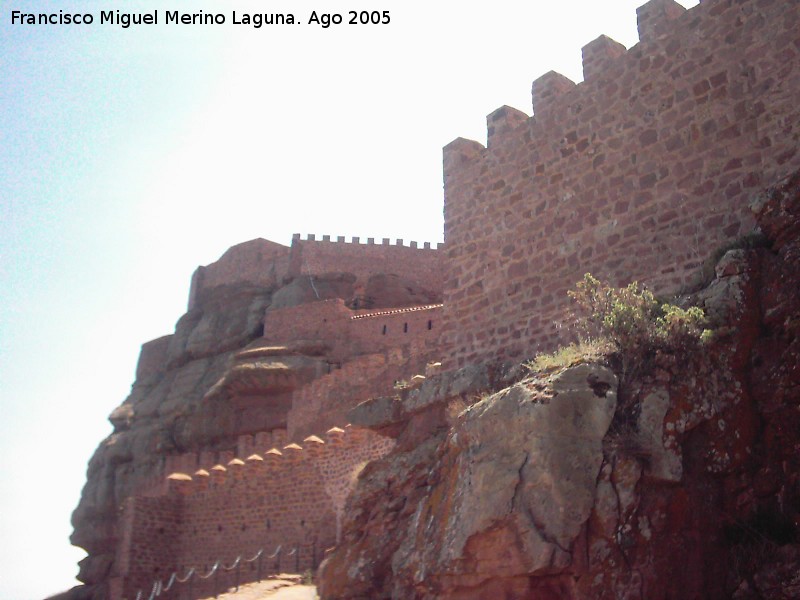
column 219, row 569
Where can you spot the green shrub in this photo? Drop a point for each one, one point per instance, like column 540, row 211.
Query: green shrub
column 635, row 322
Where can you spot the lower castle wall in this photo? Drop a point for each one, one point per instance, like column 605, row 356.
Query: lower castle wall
column 150, row 542
column 295, row 499
column 258, row 507
column 639, row 172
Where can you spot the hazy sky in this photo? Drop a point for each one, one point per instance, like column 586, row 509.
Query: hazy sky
column 128, row 157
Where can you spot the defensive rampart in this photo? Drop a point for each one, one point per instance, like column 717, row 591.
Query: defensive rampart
column 291, row 495
column 315, row 257
column 638, row 172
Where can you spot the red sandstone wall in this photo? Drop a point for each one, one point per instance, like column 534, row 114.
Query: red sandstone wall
column 326, row 321
column 351, row 333
column 380, row 330
column 376, row 348
column 327, row 400
column 315, row 257
column 291, row 499
column 259, row 262
column 149, row 544
column 639, row 172
column 256, row 507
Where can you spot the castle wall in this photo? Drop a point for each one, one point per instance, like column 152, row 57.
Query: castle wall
column 375, row 349
column 315, row 257
column 349, row 333
column 639, row 172
column 149, row 545
column 293, row 497
column 326, row 321
column 257, row 506
column 380, row 330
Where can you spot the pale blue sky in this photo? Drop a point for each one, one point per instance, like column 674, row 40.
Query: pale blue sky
column 129, row 157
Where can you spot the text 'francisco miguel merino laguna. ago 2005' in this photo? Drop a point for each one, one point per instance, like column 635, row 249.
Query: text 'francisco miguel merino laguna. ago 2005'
column 175, row 17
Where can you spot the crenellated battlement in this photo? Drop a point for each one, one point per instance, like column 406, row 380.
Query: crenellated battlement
column 638, row 172
column 312, row 256
column 311, row 237
column 194, row 473
column 656, row 18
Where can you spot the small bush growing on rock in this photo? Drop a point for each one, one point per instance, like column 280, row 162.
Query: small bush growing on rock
column 634, row 320
column 636, row 323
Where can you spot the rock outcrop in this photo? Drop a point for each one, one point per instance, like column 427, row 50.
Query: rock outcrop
column 681, row 483
column 217, row 377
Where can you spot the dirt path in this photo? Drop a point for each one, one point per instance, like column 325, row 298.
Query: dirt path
column 283, row 587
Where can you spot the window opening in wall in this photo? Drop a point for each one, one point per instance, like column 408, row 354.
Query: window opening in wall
column 219, row 527
column 430, row 324
column 384, row 330
column 405, row 327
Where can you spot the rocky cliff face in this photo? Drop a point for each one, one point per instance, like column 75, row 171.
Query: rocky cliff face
column 181, row 399
column 683, row 483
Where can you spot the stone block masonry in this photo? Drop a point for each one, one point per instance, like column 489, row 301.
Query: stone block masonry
column 292, row 495
column 316, row 257
column 637, row 173
column 350, row 333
